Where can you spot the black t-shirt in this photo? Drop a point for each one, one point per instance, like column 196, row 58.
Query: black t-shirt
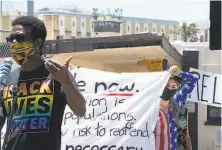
column 36, row 123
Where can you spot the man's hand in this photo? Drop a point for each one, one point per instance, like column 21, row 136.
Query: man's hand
column 74, row 98
column 174, row 70
column 59, row 72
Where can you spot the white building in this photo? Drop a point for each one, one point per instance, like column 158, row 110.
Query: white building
column 203, row 30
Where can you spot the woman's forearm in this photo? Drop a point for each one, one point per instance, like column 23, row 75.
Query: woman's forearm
column 188, row 142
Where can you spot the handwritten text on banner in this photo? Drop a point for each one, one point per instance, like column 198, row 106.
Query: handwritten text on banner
column 122, row 110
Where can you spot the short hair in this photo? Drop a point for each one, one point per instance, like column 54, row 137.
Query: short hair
column 33, row 25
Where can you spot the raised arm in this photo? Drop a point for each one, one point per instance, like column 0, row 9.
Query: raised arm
column 186, row 89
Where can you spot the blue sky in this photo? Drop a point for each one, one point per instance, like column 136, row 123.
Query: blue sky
column 180, row 10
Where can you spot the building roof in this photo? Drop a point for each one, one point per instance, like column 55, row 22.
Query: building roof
column 118, row 54
column 108, row 18
column 124, row 18
column 135, row 42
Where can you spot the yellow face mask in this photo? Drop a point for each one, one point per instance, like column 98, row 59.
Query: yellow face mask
column 21, row 51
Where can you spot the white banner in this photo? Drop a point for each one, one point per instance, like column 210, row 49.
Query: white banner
column 208, row 88
column 122, row 110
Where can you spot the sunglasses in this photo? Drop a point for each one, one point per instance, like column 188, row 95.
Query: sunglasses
column 18, row 37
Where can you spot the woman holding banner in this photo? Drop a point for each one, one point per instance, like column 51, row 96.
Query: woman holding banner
column 171, row 132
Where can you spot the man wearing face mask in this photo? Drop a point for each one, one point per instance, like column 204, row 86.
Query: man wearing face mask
column 172, row 122
column 44, row 89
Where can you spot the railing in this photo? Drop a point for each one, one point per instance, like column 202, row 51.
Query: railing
column 4, row 50
column 4, row 47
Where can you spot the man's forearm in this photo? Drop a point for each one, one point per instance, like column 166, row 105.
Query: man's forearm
column 74, row 99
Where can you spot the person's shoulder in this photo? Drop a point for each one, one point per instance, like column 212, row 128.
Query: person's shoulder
column 16, row 70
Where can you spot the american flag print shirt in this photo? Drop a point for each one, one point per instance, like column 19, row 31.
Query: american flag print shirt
column 166, row 131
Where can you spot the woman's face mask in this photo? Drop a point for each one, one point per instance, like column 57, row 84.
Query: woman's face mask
column 170, row 89
column 168, row 94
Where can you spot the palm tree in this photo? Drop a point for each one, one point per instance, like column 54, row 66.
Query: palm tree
column 187, row 31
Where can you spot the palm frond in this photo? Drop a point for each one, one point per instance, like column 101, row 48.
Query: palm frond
column 187, row 31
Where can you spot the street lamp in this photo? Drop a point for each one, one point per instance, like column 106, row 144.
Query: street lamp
column 1, row 7
column 30, row 7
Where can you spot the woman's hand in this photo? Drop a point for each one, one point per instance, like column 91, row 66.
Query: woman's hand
column 174, row 70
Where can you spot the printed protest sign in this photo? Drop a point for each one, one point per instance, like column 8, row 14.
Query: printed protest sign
column 154, row 65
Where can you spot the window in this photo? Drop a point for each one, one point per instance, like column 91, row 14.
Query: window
column 162, row 29
column 116, row 25
column 95, row 24
column 128, row 28
column 202, row 38
column 92, row 25
column 206, row 35
column 61, row 23
column 73, row 23
column 154, row 30
column 136, row 29
column 170, row 32
column 83, row 24
column 59, row 37
column 112, row 24
column 106, row 24
column 214, row 112
column 101, row 24
column 213, row 116
column 145, row 29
